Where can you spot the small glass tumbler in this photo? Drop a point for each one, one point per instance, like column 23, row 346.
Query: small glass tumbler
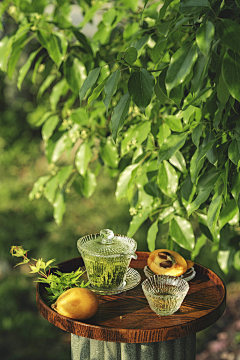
column 165, row 293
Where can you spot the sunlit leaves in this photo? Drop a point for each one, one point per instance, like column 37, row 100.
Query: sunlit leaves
column 55, row 43
column 123, row 181
column 231, row 73
column 192, row 6
column 83, row 156
column 75, row 73
column 204, row 37
column 89, row 82
column 111, row 87
column 130, row 55
column 167, row 179
column 151, row 236
column 24, row 69
column 181, row 65
column 49, row 126
column 140, row 87
column 182, row 233
column 138, row 220
column 109, row 153
column 59, row 207
column 171, row 145
column 228, row 212
column 119, row 114
column 213, row 212
column 234, row 151
column 229, row 32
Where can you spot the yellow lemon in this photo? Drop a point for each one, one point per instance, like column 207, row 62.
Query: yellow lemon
column 77, row 303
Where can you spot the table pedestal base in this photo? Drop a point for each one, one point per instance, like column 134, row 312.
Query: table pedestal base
column 89, row 349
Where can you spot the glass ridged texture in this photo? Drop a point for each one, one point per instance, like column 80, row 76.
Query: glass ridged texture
column 165, row 293
column 106, row 257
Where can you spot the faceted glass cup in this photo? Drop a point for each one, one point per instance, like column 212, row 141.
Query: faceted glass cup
column 165, row 293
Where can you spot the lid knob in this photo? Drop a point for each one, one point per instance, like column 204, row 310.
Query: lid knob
column 107, row 236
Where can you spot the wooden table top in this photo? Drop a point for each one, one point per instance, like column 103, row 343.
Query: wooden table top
column 127, row 317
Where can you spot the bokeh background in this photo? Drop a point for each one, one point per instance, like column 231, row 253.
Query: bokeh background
column 24, row 333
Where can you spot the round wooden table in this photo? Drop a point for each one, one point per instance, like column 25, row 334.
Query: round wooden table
column 125, row 327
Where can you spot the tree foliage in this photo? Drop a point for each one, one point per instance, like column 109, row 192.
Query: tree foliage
column 153, row 97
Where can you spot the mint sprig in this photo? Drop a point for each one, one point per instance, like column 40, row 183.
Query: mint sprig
column 57, row 282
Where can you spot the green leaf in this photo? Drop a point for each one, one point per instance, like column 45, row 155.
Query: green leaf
column 207, row 179
column 224, row 260
column 109, row 153
column 137, row 221
column 83, row 156
column 49, row 126
column 193, row 6
column 195, row 166
column 63, row 175
column 213, row 213
column 211, row 154
column 131, row 55
column 24, row 69
column 79, row 116
column 36, row 67
column 123, row 181
column 38, row 186
column 235, row 186
column 222, row 91
column 167, row 179
column 75, row 73
column 119, row 114
column 228, row 212
column 46, row 83
column 89, row 82
column 83, row 40
column 196, row 134
column 234, row 151
column 163, row 133
column 188, row 190
column 96, row 92
column 231, row 73
column 197, row 98
column 54, row 43
column 111, row 87
column 229, row 33
column 201, row 241
column 203, row 194
column 181, row 65
column 236, row 259
column 163, row 9
column 60, row 89
column 173, row 122
column 89, row 184
column 199, row 71
column 60, row 146
column 50, row 189
column 178, row 161
column 204, row 36
column 59, row 207
column 171, row 145
column 151, row 235
column 203, row 149
column 140, row 87
column 5, row 51
column 163, row 28
column 17, row 48
column 182, row 233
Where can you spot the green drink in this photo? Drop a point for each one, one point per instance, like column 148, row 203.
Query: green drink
column 104, row 274
column 106, row 257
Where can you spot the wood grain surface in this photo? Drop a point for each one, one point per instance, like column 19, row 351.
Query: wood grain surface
column 127, row 317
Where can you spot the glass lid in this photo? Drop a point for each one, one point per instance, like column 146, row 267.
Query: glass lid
column 106, row 243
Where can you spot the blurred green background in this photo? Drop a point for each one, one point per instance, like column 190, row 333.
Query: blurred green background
column 24, row 334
